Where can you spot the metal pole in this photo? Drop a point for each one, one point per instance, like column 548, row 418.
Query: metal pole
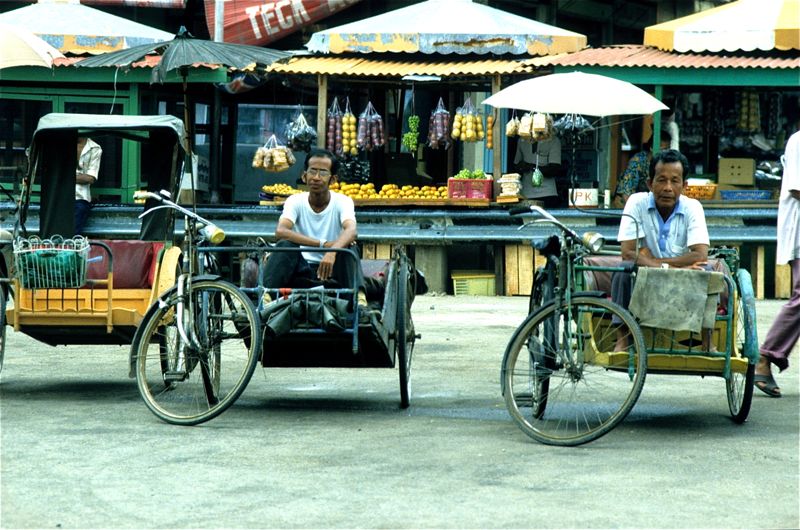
column 215, row 164
column 219, row 19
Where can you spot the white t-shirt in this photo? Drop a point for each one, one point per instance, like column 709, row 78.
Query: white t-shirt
column 326, row 224
column 788, row 247
column 665, row 239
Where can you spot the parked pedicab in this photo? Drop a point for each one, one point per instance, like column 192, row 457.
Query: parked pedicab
column 562, row 380
column 63, row 289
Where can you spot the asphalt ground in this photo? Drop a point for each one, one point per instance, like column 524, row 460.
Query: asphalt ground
column 329, row 448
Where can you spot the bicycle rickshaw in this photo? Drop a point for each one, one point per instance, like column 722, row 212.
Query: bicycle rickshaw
column 70, row 290
column 562, row 380
column 319, row 326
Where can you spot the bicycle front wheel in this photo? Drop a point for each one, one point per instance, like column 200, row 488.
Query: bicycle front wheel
column 563, row 382
column 187, row 383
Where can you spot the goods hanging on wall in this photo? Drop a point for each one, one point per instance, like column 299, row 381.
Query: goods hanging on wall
column 334, row 129
column 370, row 129
column 273, row 157
column 438, row 127
column 299, row 134
column 467, row 124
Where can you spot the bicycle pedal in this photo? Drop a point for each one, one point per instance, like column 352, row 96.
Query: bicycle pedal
column 174, row 376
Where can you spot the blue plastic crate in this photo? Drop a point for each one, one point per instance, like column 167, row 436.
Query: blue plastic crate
column 745, row 195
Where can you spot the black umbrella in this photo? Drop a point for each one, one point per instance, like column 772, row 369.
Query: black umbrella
column 183, row 51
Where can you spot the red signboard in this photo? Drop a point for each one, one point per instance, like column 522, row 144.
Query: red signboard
column 173, row 4
column 259, row 22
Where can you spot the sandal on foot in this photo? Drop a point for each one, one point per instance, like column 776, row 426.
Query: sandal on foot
column 768, row 386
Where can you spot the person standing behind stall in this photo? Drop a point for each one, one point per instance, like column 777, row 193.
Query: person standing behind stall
column 549, row 163
column 785, row 330
column 89, row 155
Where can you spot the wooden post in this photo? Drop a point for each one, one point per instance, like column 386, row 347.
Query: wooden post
column 757, row 269
column 783, row 281
column 322, row 109
column 497, row 152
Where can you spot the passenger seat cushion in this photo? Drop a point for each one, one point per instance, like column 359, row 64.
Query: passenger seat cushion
column 133, row 263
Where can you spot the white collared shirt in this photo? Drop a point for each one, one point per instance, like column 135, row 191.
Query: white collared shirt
column 665, row 239
column 88, row 163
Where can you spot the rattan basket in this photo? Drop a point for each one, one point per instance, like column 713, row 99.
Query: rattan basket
column 54, row 263
column 704, row 192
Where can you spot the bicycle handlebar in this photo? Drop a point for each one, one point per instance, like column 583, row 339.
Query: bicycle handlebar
column 210, row 231
column 548, row 217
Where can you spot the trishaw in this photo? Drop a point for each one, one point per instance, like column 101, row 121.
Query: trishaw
column 319, row 326
column 563, row 381
column 59, row 288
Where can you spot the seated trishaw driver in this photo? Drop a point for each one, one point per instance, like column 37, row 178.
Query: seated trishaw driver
column 672, row 229
column 316, row 218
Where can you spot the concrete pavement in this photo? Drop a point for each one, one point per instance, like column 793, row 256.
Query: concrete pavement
column 331, row 448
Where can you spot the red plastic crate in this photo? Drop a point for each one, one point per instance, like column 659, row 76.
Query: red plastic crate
column 469, row 188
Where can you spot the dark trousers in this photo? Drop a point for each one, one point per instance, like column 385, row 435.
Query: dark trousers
column 82, row 209
column 785, row 330
column 290, row 269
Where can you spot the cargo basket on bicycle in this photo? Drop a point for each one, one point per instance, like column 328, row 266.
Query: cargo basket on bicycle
column 54, row 263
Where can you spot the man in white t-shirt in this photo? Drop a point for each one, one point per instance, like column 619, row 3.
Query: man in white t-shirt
column 670, row 228
column 316, row 218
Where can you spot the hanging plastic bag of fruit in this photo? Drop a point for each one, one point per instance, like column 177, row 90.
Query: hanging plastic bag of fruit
column 349, row 146
column 334, row 130
column 300, row 135
column 467, row 124
column 512, row 127
column 274, row 157
column 370, row 129
column 439, row 127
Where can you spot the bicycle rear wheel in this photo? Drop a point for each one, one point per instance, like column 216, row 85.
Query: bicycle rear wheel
column 187, row 384
column 563, row 384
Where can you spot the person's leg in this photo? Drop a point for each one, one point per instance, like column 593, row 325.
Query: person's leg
column 347, row 270
column 783, row 334
column 82, row 209
column 284, row 268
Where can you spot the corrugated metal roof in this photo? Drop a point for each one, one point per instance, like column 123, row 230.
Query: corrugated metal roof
column 357, row 66
column 636, row 55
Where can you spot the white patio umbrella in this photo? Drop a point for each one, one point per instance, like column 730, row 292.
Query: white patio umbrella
column 576, row 93
column 19, row 47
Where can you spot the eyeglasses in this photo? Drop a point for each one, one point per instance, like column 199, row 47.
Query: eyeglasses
column 323, row 173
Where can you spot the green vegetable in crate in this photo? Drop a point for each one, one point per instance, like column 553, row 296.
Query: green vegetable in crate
column 469, row 174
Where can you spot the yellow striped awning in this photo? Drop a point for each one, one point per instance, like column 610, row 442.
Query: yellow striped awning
column 745, row 25
column 359, row 66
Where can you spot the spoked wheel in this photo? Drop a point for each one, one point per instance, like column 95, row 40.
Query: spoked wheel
column 739, row 386
column 563, row 382
column 187, row 384
column 405, row 338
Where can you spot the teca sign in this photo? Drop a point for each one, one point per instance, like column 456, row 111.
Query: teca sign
column 258, row 22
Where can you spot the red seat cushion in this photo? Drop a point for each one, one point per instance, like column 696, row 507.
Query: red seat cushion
column 133, row 263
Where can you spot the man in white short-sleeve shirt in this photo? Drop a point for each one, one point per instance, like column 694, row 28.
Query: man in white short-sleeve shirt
column 316, row 218
column 670, row 228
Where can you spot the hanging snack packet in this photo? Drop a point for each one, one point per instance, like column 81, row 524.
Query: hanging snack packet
column 275, row 157
column 512, row 127
column 525, row 126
